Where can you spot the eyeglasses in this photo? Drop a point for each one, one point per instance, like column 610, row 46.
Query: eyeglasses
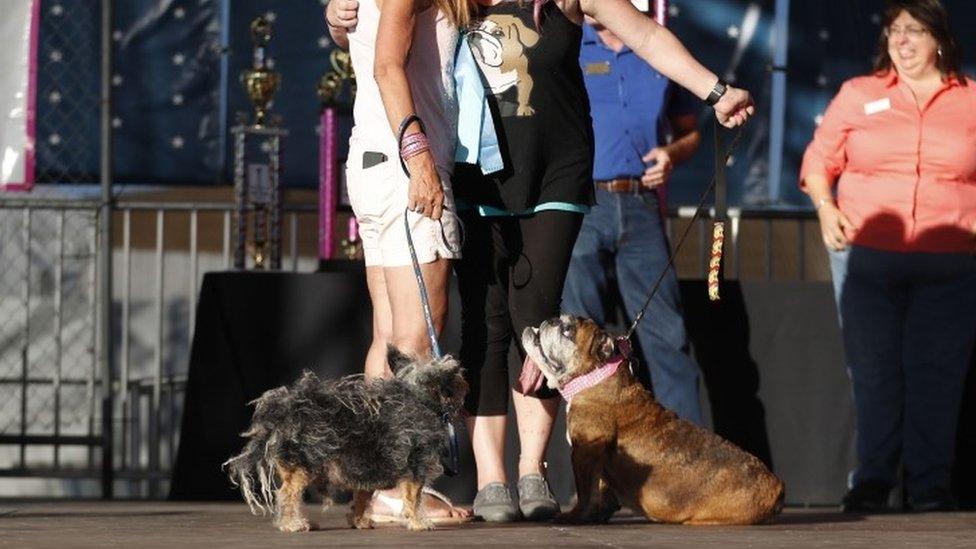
column 913, row 33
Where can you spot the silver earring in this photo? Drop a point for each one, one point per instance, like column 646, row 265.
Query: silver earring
column 939, row 52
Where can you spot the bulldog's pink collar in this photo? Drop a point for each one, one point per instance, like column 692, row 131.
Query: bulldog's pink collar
column 592, row 379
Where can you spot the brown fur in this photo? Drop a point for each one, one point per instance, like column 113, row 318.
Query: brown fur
column 626, row 445
column 290, row 517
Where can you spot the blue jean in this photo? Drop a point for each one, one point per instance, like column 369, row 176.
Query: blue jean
column 629, row 227
column 909, row 326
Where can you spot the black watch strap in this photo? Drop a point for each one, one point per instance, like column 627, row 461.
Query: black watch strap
column 717, row 92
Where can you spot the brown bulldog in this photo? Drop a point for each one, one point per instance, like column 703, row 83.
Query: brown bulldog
column 629, row 448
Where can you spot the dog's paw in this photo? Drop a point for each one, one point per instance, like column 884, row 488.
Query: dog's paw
column 297, row 524
column 361, row 522
column 420, row 525
column 524, row 110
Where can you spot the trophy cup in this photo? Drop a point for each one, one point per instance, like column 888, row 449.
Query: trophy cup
column 257, row 182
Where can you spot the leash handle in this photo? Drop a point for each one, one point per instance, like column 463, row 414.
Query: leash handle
column 721, row 214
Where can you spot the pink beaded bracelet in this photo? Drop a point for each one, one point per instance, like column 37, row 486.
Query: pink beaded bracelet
column 413, row 144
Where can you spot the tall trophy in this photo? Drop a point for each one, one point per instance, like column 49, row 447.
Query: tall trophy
column 257, row 162
column 330, row 91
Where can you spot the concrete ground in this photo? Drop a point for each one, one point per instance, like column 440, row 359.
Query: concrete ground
column 141, row 524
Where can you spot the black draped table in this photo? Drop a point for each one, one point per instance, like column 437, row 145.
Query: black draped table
column 256, row 331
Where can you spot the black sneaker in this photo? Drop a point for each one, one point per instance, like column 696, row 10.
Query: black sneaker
column 866, row 497
column 934, row 501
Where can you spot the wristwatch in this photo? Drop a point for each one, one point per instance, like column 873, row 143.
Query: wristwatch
column 717, row 92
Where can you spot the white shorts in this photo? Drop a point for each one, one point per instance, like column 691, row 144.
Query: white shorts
column 379, row 199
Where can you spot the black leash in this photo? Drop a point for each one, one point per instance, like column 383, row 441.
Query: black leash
column 719, row 184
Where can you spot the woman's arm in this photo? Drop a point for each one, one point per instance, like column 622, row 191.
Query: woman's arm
column 340, row 17
column 394, row 38
column 656, row 45
column 824, row 160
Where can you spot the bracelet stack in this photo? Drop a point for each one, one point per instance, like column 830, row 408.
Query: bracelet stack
column 413, row 144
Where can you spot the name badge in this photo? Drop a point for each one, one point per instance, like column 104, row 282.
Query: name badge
column 597, row 68
column 875, row 107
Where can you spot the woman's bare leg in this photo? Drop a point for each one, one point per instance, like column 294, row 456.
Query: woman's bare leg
column 376, row 365
column 488, row 444
column 535, row 420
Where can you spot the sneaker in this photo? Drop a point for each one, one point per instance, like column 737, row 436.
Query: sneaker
column 934, row 501
column 535, row 498
column 494, row 503
column 866, row 497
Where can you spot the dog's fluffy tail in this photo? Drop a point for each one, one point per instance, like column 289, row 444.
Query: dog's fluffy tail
column 254, row 470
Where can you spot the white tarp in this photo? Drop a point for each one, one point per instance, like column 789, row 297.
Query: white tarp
column 18, row 76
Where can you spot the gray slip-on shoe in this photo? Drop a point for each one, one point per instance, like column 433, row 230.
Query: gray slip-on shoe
column 494, row 503
column 535, row 498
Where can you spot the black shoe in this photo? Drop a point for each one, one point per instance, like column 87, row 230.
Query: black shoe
column 866, row 497
column 934, row 501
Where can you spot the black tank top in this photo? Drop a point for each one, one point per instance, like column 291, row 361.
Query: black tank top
column 541, row 110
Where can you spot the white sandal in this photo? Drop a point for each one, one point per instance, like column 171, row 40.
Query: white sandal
column 395, row 505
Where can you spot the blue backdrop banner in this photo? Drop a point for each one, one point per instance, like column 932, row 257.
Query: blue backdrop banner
column 177, row 89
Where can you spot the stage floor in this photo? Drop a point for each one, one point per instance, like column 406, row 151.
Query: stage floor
column 138, row 524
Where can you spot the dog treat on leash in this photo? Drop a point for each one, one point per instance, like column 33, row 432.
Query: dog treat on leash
column 715, row 264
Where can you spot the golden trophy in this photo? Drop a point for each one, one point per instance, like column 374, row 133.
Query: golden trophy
column 257, row 181
column 260, row 81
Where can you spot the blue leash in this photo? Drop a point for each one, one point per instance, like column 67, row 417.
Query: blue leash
column 452, row 460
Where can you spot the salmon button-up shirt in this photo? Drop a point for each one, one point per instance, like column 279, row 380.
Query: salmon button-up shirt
column 906, row 174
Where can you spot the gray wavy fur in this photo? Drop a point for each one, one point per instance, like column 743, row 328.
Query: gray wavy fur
column 351, row 433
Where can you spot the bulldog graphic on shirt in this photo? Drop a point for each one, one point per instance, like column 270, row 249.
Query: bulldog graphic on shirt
column 499, row 43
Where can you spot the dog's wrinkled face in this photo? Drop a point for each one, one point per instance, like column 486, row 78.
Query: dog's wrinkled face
column 440, row 380
column 567, row 347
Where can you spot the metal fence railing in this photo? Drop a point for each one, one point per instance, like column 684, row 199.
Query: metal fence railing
column 51, row 385
column 161, row 255
column 48, row 368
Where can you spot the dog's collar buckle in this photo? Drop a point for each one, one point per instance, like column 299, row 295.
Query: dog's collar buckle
column 592, row 379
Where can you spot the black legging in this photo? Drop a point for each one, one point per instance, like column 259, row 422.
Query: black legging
column 510, row 276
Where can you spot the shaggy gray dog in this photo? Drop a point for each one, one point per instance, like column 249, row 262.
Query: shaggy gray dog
column 351, row 433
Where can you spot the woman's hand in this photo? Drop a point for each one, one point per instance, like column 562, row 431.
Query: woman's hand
column 342, row 14
column 734, row 108
column 834, row 226
column 425, row 194
column 341, row 17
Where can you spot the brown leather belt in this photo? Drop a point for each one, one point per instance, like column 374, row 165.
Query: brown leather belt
column 628, row 185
